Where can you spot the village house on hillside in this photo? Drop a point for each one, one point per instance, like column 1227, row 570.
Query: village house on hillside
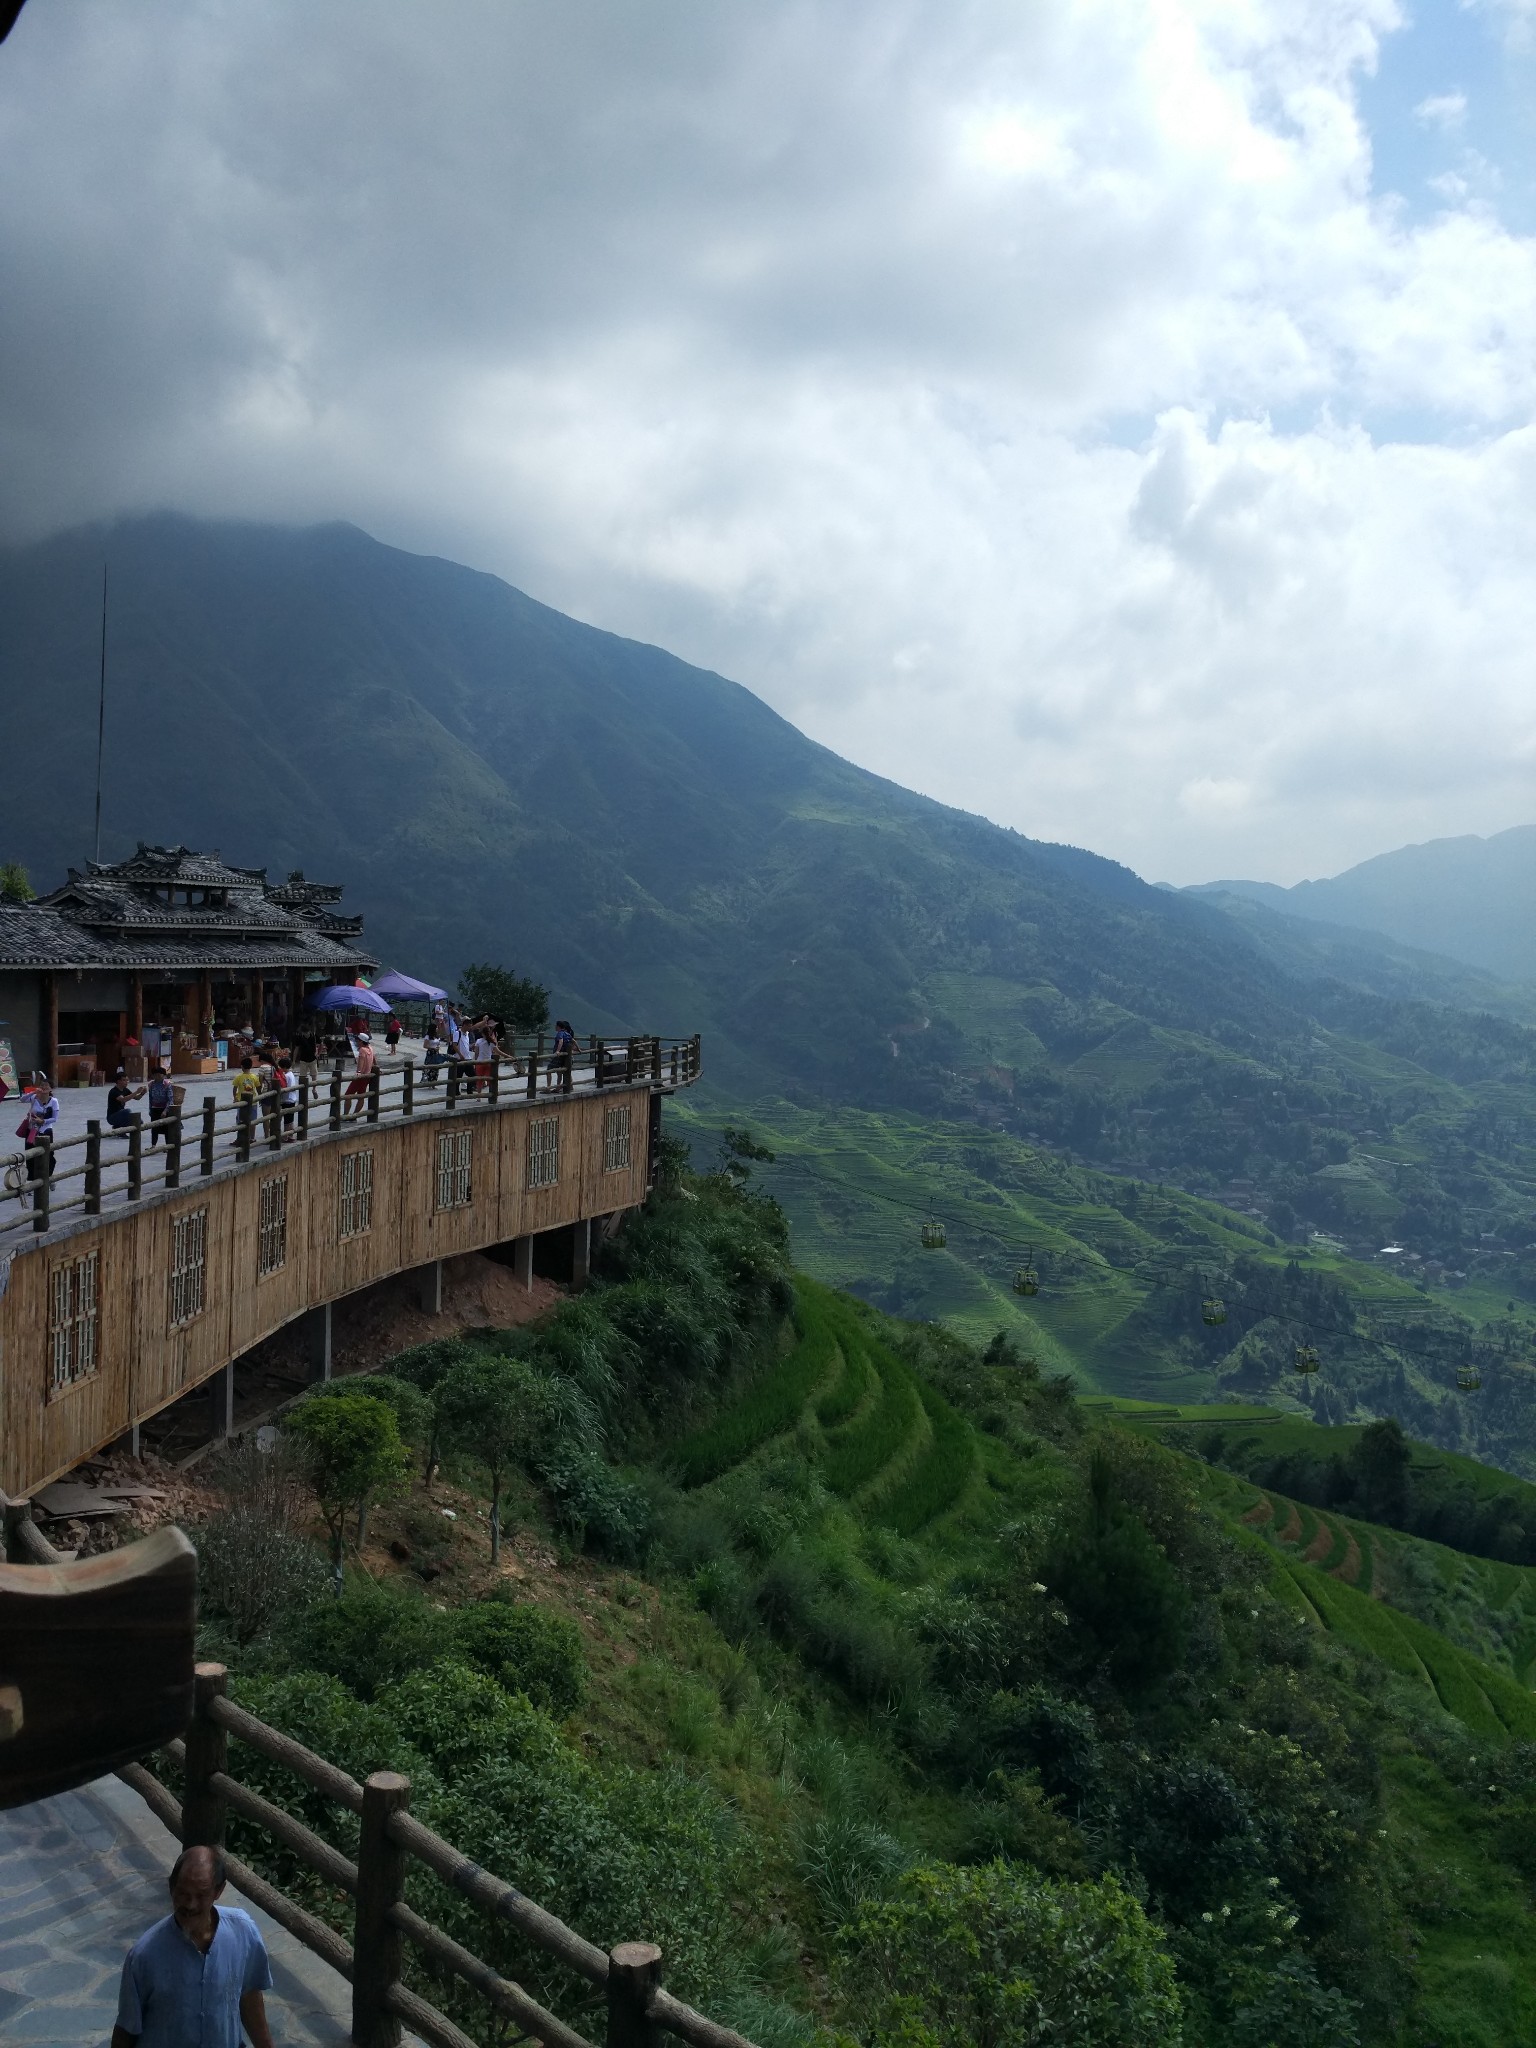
column 168, row 949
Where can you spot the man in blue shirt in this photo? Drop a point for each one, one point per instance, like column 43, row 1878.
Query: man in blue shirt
column 198, row 1975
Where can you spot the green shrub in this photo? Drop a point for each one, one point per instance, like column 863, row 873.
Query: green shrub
column 844, row 1861
column 994, row 1954
column 368, row 1638
column 525, row 1648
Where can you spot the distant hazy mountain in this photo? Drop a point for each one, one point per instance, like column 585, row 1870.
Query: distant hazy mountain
column 1473, row 899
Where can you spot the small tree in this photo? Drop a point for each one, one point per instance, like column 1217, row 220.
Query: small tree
column 15, row 884
column 995, row 1956
column 253, row 1562
column 496, row 1410
column 520, row 1003
column 353, row 1456
column 426, row 1367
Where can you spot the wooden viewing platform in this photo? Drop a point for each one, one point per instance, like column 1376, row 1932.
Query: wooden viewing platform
column 133, row 1274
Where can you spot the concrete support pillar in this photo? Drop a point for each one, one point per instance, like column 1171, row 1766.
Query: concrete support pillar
column 432, row 1288
column 581, row 1252
column 317, row 1337
column 522, row 1261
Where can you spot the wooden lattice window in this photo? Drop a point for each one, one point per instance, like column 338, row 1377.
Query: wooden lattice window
column 453, row 1185
column 72, row 1322
column 543, row 1151
column 356, row 1193
column 189, row 1267
column 616, row 1139
column 272, row 1226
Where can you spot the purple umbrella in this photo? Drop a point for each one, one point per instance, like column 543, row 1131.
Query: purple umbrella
column 347, row 997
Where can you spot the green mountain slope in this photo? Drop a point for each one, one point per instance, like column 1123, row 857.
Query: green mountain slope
column 1471, row 898
column 493, row 780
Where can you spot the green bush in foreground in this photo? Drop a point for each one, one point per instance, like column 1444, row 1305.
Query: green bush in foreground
column 995, row 1956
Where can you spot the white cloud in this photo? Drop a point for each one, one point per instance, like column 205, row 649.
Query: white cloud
column 1007, row 395
column 1446, row 111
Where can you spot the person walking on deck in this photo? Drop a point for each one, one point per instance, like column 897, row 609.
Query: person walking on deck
column 197, row 1977
column 357, row 1087
column 163, row 1119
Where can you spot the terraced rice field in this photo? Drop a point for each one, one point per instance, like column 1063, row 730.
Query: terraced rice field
column 886, row 1441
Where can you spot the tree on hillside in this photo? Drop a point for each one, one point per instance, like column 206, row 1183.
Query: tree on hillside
column 426, row 1367
column 521, row 1003
column 995, row 1954
column 1379, row 1465
column 15, row 885
column 352, row 1455
column 498, row 1411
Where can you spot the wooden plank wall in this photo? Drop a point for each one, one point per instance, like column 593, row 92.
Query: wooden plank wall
column 142, row 1363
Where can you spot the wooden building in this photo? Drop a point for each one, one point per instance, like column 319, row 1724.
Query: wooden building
column 170, row 949
column 106, row 1318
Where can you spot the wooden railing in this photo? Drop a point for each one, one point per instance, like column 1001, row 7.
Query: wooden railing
column 196, row 1142
column 638, row 2009
column 629, row 1976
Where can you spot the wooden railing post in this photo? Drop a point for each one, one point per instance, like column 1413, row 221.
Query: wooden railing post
column 275, row 1121
column 135, row 1160
column 377, row 1944
column 452, row 1094
column 245, row 1116
column 533, row 1066
column 171, row 1132
column 634, row 1978
column 210, row 1131
column 374, row 1082
column 408, row 1089
column 204, row 1815
column 93, row 1166
column 304, row 1109
column 597, row 1061
column 43, row 1163
column 656, row 1061
column 336, row 1096
column 16, row 1512
column 493, row 1085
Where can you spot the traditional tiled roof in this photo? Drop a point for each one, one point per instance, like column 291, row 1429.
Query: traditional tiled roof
column 111, row 914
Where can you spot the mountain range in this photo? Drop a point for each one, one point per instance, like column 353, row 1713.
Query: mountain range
column 1471, row 899
column 494, row 781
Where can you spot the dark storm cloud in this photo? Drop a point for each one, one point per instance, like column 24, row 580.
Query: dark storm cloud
column 886, row 357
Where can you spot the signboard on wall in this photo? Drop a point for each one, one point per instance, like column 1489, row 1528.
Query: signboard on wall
column 7, row 1068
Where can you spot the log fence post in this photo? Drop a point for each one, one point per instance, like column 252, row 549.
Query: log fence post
column 93, row 1166
column 171, row 1132
column 377, row 1944
column 303, row 1109
column 204, row 1815
column 135, row 1161
column 373, row 1096
column 210, row 1131
column 634, row 1977
column 42, row 1162
column 408, row 1089
column 245, row 1116
column 336, row 1095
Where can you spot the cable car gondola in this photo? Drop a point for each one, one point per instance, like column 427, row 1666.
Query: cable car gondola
column 1213, row 1311
column 934, row 1236
column 1306, row 1359
column 1026, row 1280
column 1468, row 1379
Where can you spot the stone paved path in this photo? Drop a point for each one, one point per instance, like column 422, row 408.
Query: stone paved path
column 81, row 1876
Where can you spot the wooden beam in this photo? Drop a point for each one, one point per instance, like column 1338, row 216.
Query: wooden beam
column 48, row 1034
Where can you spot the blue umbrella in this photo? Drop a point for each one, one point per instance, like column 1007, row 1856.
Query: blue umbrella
column 405, row 988
column 346, row 997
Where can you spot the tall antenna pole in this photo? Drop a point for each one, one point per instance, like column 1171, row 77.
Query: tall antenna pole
column 101, row 707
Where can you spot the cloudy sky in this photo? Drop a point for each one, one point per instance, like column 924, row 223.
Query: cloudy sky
column 1115, row 416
